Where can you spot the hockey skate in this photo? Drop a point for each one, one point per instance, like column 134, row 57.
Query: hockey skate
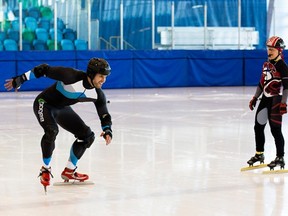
column 279, row 161
column 70, row 174
column 44, row 175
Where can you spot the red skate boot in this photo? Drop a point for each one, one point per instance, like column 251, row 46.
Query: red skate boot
column 70, row 174
column 44, row 175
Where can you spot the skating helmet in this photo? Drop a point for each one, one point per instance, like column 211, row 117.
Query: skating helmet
column 98, row 65
column 275, row 42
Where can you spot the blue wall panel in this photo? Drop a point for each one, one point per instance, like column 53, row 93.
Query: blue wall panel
column 216, row 68
column 7, row 67
column 216, row 72
column 161, row 73
column 146, row 69
column 161, row 69
column 27, row 60
column 253, row 66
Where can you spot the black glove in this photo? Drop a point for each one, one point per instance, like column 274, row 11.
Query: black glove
column 41, row 70
column 252, row 103
column 107, row 131
column 18, row 81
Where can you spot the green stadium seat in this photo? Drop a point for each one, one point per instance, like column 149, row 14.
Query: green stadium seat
column 28, row 35
column 46, row 12
column 51, row 45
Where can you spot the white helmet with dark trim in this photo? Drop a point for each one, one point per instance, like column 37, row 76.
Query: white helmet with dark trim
column 275, row 42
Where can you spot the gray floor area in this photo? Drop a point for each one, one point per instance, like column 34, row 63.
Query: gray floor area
column 175, row 151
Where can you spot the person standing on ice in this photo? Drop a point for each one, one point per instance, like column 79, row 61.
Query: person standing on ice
column 52, row 107
column 273, row 104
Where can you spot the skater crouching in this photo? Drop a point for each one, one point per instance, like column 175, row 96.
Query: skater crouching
column 52, row 107
column 273, row 104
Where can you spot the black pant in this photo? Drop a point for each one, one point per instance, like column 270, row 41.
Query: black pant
column 268, row 109
column 49, row 117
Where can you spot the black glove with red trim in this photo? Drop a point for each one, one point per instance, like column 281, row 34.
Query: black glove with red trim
column 252, row 103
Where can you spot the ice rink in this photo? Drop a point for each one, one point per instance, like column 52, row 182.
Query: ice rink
column 175, row 151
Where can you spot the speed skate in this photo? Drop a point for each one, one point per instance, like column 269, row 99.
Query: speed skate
column 73, row 182
column 278, row 162
column 278, row 171
column 71, row 177
column 253, row 167
column 261, row 166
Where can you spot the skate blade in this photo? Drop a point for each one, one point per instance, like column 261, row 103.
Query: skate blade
column 253, row 167
column 73, row 183
column 45, row 190
column 278, row 171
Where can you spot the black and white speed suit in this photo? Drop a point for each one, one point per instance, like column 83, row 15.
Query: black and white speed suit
column 274, row 78
column 52, row 108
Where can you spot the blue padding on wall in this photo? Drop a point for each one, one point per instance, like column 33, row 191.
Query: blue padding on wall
column 254, row 60
column 160, row 69
column 216, row 68
column 215, row 54
column 146, row 69
column 27, row 60
column 161, row 73
column 50, row 56
column 7, row 67
column 188, row 68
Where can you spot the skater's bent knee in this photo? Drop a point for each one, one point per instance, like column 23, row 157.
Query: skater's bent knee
column 51, row 132
column 88, row 140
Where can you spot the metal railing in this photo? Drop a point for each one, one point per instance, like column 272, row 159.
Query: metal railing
column 117, row 40
column 107, row 44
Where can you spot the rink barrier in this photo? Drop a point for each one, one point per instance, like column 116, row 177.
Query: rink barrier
column 146, row 68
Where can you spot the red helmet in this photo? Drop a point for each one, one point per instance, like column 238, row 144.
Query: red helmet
column 275, row 42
